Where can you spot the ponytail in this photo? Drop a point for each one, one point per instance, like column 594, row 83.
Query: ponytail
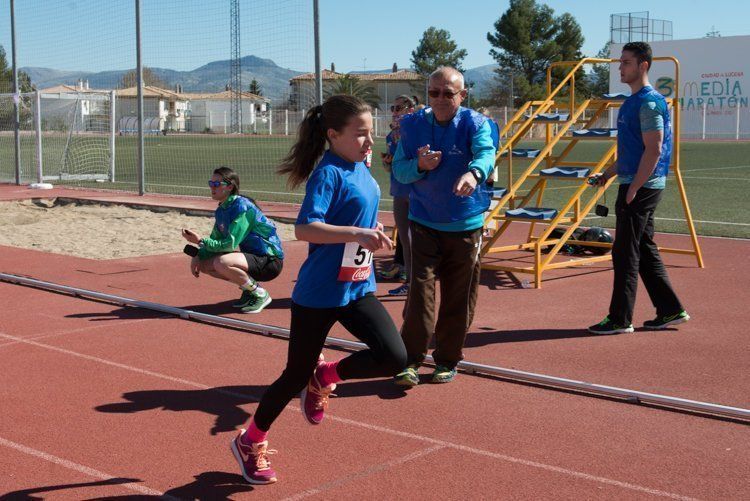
column 334, row 113
column 311, row 141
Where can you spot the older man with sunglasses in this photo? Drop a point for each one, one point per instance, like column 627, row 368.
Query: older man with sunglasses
column 445, row 154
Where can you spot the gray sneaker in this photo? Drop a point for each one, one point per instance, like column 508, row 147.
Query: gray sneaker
column 257, row 302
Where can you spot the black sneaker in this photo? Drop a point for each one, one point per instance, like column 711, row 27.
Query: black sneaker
column 667, row 320
column 606, row 326
column 246, row 298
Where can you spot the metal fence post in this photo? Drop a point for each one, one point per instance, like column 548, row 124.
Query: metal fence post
column 16, row 94
column 318, row 73
column 112, row 134
column 139, row 76
column 38, row 124
column 703, row 133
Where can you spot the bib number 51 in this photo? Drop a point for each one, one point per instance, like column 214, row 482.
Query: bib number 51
column 356, row 263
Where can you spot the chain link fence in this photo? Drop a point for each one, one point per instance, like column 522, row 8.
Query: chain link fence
column 80, row 126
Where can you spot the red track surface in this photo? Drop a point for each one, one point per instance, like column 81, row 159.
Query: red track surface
column 94, row 395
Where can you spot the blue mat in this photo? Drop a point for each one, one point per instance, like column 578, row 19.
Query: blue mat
column 524, row 152
column 551, row 117
column 616, row 95
column 532, row 213
column 565, row 172
column 595, row 132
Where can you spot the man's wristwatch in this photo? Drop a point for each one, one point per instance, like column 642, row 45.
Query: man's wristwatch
column 477, row 174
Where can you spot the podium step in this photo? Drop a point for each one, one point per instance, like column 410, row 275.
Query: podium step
column 595, row 133
column 578, row 172
column 538, row 213
column 524, row 152
column 550, row 117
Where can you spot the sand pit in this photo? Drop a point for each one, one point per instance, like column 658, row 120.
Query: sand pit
column 99, row 231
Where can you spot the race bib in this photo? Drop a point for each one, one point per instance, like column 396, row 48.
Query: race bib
column 356, row 265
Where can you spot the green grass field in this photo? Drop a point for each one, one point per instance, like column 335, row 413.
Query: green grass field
column 717, row 174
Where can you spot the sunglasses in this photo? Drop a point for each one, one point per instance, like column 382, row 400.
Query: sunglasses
column 216, row 184
column 446, row 94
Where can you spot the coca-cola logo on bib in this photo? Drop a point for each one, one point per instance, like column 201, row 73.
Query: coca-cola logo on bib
column 361, row 274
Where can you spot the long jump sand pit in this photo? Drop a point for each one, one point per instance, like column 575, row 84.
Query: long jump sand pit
column 101, row 231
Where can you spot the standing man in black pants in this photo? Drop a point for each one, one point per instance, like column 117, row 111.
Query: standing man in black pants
column 644, row 151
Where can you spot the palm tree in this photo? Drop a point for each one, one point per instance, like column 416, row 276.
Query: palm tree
column 353, row 86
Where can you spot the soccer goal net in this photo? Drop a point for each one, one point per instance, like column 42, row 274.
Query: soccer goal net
column 76, row 131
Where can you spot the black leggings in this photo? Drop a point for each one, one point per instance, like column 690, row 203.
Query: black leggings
column 366, row 318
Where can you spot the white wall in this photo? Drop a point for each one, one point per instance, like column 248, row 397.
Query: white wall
column 714, row 72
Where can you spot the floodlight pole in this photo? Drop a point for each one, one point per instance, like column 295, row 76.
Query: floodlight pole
column 16, row 94
column 139, row 80
column 318, row 73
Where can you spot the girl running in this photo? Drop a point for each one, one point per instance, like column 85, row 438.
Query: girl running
column 243, row 247
column 338, row 218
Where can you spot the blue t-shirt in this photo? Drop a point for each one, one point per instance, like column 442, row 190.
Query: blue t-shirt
column 340, row 193
column 650, row 113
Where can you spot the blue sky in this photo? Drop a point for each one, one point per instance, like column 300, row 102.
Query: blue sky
column 96, row 35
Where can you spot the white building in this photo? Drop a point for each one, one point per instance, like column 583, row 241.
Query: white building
column 162, row 109
column 211, row 112
column 75, row 107
column 714, row 83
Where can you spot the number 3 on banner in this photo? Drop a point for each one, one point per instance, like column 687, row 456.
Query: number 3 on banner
column 356, row 263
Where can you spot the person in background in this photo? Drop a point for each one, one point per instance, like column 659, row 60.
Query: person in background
column 243, row 248
column 494, row 176
column 402, row 105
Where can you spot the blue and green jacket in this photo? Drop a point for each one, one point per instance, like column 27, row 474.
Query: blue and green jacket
column 240, row 225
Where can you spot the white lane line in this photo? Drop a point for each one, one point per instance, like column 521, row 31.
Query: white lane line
column 718, row 178
column 80, row 329
column 716, row 168
column 364, row 473
column 78, row 467
column 381, row 429
column 703, row 222
column 684, row 221
column 515, row 460
column 104, row 361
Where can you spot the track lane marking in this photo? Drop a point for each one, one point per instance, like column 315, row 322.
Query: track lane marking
column 381, row 429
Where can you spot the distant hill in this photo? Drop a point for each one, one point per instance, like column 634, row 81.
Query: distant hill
column 214, row 76
column 482, row 77
column 211, row 77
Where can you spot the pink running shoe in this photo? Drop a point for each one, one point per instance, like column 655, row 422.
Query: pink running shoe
column 253, row 460
column 314, row 398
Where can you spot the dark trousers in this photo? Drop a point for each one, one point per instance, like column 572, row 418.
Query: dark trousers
column 398, row 256
column 454, row 257
column 634, row 252
column 365, row 318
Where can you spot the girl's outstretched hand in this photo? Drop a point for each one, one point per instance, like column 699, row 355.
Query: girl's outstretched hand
column 374, row 239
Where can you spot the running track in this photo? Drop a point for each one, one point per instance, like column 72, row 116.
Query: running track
column 103, row 401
